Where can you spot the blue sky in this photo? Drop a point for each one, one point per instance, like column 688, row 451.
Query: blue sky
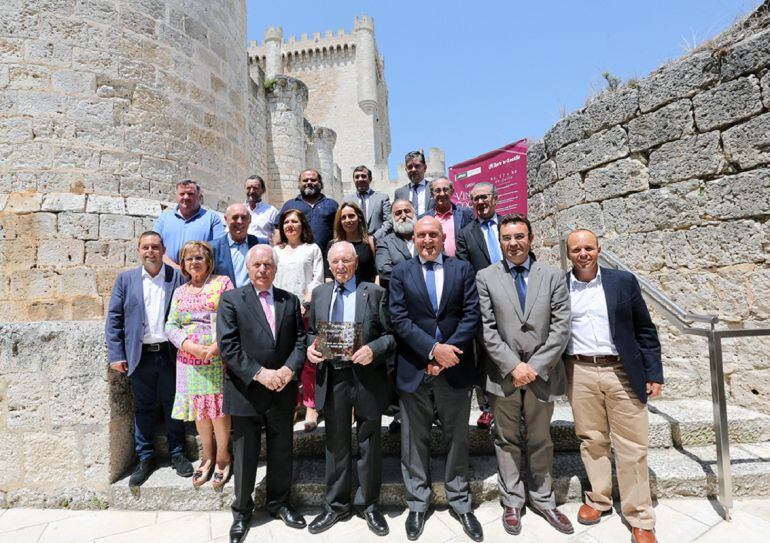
column 472, row 76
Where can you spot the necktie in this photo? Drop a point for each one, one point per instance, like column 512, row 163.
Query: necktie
column 415, row 200
column 268, row 312
column 430, row 283
column 492, row 244
column 521, row 285
column 362, row 199
column 338, row 309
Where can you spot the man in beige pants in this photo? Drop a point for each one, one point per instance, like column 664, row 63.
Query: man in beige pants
column 613, row 368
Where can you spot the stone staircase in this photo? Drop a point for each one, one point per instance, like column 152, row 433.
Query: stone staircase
column 682, row 462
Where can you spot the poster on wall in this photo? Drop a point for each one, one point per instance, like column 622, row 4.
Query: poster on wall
column 505, row 168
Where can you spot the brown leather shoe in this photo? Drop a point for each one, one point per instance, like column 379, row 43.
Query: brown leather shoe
column 587, row 515
column 555, row 518
column 643, row 536
column 512, row 520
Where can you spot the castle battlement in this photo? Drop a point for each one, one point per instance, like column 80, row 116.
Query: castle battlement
column 317, row 46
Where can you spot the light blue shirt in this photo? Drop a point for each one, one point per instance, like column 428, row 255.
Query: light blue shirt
column 527, row 264
column 175, row 230
column 348, row 300
column 238, row 257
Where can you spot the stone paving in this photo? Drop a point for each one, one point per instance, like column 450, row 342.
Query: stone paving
column 679, row 521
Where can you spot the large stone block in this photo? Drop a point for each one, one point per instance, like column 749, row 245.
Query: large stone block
column 727, row 103
column 668, row 123
column 759, row 287
column 78, row 282
column 79, row 225
column 641, row 252
column 582, row 216
column 721, row 293
column 43, row 454
column 34, row 225
column 765, row 82
column 748, row 144
column 599, row 149
column 24, row 202
column 536, row 155
column 105, row 204
column 567, row 130
column 64, row 201
column 45, row 310
column 60, row 253
column 24, row 77
column 724, row 244
column 695, row 156
column 105, row 253
column 611, row 108
column 86, row 308
column 27, row 401
column 738, row 196
column 568, row 192
column 11, row 460
column 86, row 399
column 116, row 227
column 546, row 175
column 142, row 206
column 679, row 79
column 35, row 284
column 749, row 55
column 751, row 389
column 74, row 82
column 15, row 130
column 615, row 179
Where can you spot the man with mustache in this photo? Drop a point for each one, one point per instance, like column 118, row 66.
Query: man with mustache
column 398, row 245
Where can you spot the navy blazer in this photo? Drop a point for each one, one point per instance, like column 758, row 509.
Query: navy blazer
column 126, row 317
column 462, row 215
column 414, row 321
column 632, row 330
column 223, row 263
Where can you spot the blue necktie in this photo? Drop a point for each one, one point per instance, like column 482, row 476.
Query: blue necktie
column 338, row 310
column 492, row 245
column 521, row 285
column 430, row 283
column 415, row 200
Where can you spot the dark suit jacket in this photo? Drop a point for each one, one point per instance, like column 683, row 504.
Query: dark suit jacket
column 462, row 215
column 223, row 263
column 391, row 250
column 414, row 321
column 632, row 330
column 246, row 344
column 370, row 381
column 405, row 193
column 471, row 246
column 126, row 317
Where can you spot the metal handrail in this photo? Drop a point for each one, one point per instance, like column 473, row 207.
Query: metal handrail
column 686, row 323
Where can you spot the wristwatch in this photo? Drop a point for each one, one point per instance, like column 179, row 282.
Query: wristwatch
column 306, row 304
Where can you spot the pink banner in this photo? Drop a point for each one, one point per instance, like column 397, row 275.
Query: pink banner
column 505, row 168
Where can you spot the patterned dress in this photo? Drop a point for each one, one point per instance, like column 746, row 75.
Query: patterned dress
column 199, row 384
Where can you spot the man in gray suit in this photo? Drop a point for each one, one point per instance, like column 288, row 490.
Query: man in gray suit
column 525, row 315
column 397, row 246
column 375, row 205
column 417, row 190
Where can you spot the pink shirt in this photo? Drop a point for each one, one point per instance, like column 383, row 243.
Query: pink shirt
column 447, row 221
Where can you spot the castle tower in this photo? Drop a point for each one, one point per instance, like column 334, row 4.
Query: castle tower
column 435, row 162
column 273, row 60
column 324, row 140
column 366, row 63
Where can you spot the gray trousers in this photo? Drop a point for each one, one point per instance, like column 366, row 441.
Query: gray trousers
column 509, row 443
column 453, row 406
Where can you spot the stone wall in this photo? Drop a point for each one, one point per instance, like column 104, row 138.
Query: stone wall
column 673, row 172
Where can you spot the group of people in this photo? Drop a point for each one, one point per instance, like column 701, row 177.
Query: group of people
column 221, row 321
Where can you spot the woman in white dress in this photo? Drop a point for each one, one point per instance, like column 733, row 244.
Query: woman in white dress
column 299, row 270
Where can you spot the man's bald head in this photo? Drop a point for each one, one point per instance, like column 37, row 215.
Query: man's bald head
column 429, row 238
column 260, row 263
column 583, row 251
column 582, row 233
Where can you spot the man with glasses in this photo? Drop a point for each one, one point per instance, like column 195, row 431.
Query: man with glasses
column 375, row 205
column 417, row 190
column 452, row 218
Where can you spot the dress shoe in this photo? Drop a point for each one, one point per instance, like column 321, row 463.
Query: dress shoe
column 641, row 535
column 485, row 420
column 415, row 523
column 394, row 427
column 182, row 465
column 142, row 472
column 471, row 525
column 290, row 517
column 239, row 529
column 588, row 515
column 555, row 518
column 376, row 522
column 326, row 520
column 512, row 520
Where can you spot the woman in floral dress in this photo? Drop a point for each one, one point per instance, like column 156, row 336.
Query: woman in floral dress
column 199, row 368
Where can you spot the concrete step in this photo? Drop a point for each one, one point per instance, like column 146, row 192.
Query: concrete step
column 672, row 423
column 674, row 472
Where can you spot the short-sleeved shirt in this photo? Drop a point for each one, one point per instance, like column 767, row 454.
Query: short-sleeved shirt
column 320, row 216
column 263, row 218
column 175, row 230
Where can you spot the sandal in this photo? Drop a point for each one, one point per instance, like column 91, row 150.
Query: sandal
column 202, row 474
column 220, row 477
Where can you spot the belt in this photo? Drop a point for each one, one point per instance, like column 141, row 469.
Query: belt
column 341, row 364
column 602, row 360
column 154, row 347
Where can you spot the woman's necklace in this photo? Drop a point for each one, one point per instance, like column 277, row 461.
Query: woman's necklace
column 190, row 287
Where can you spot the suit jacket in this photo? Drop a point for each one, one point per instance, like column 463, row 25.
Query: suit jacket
column 462, row 215
column 391, row 250
column 405, row 193
column 126, row 317
column 414, row 321
column 632, row 330
column 471, row 246
column 378, row 217
column 538, row 335
column 246, row 345
column 223, row 263
column 370, row 381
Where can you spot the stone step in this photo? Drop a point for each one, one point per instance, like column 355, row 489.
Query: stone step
column 680, row 472
column 672, row 423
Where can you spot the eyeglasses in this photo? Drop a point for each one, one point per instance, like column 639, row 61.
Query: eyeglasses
column 198, row 258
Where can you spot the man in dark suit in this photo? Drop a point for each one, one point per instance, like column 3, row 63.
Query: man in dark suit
column 613, row 368
column 137, row 346
column 398, row 245
column 358, row 383
column 375, row 205
column 262, row 340
column 230, row 250
column 434, row 307
column 417, row 190
column 453, row 218
column 525, row 322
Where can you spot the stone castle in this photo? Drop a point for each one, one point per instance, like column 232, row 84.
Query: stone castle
column 105, row 104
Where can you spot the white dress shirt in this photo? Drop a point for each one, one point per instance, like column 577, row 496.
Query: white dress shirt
column 422, row 193
column 263, row 218
column 589, row 322
column 438, row 270
column 154, row 307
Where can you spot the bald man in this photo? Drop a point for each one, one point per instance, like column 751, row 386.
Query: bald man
column 230, row 250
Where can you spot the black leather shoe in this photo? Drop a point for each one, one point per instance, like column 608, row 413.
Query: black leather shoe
column 376, row 522
column 290, row 517
column 142, row 472
column 326, row 520
column 239, row 529
column 415, row 523
column 555, row 518
column 471, row 525
column 182, row 465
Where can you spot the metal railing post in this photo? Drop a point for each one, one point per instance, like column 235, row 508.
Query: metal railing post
column 721, row 431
